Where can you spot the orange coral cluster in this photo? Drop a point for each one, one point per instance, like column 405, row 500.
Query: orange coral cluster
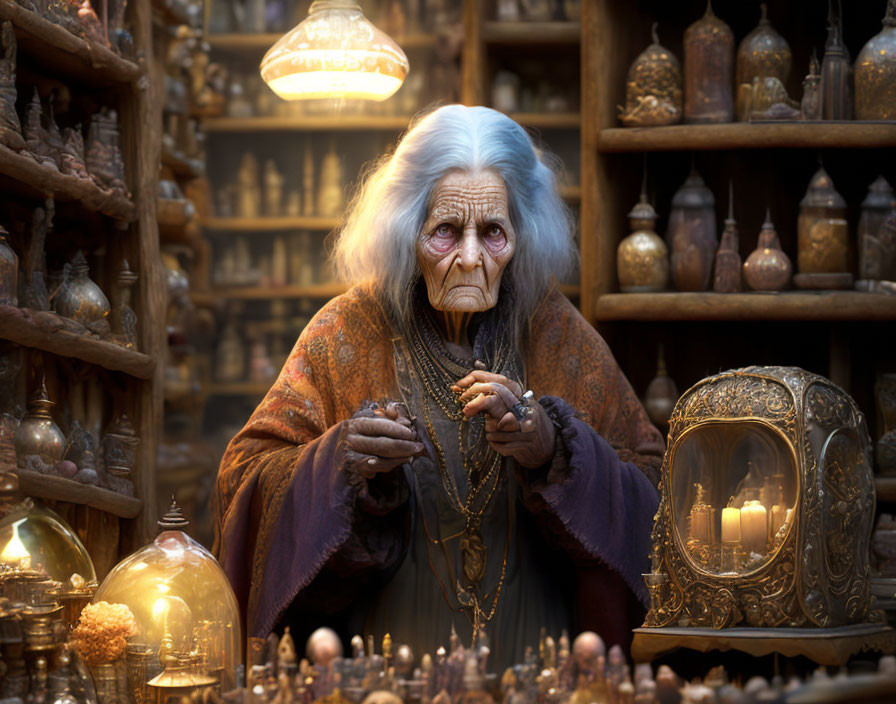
column 102, row 630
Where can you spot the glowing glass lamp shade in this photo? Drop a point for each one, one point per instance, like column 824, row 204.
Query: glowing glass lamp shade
column 186, row 615
column 335, row 52
column 36, row 541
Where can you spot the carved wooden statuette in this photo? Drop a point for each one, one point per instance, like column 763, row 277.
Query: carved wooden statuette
column 836, row 92
column 10, row 128
column 763, row 53
column 653, row 93
column 875, row 72
column 708, row 70
column 768, row 268
column 877, row 238
column 691, row 236
column 727, row 276
column 823, row 253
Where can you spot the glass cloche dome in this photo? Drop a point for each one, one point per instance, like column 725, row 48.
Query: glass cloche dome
column 187, row 631
column 41, row 558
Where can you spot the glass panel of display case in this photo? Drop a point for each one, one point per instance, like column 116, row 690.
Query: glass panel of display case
column 734, row 489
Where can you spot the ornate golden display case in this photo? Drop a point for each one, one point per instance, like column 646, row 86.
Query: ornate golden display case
column 767, row 506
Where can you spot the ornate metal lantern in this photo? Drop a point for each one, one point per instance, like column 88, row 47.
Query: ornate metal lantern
column 767, row 507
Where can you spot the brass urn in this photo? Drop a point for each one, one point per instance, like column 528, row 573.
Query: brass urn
column 875, row 72
column 78, row 296
column 768, row 268
column 642, row 259
column 763, row 53
column 653, row 87
column 708, row 70
column 37, row 434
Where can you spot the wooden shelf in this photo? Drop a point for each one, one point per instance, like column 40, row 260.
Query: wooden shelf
column 180, row 165
column 248, row 225
column 549, row 121
column 246, row 388
column 55, row 47
column 307, row 123
column 53, row 488
column 261, row 42
column 742, row 135
column 46, row 331
column 885, row 487
column 572, row 194
column 816, row 306
column 570, row 290
column 528, row 33
column 251, row 293
column 22, row 174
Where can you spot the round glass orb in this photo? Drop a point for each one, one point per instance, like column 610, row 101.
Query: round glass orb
column 335, row 52
column 186, row 613
column 38, row 547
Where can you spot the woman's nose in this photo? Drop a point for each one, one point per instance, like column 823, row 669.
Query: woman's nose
column 470, row 255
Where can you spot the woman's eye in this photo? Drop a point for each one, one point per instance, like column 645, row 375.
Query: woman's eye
column 494, row 231
column 444, row 230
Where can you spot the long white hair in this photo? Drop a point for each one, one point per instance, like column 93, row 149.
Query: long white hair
column 378, row 242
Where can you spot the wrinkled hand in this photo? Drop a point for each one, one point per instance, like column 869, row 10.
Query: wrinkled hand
column 530, row 443
column 379, row 439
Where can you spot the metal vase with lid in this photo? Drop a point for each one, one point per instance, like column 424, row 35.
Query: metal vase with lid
column 875, row 72
column 823, row 255
column 708, row 70
column 642, row 258
column 763, row 53
column 691, row 236
column 78, row 296
column 768, row 268
column 37, row 435
column 877, row 247
column 653, row 87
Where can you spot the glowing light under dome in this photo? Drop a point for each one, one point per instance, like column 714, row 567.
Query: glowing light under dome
column 335, row 52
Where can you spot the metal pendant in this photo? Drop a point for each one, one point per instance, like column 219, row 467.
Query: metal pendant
column 474, row 556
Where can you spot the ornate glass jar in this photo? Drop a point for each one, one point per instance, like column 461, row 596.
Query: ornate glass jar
column 691, row 236
column 767, row 505
column 763, row 53
column 78, row 296
column 187, row 620
column 642, row 258
column 38, row 436
column 708, row 70
column 877, row 248
column 653, row 88
column 9, row 271
column 823, row 256
column 875, row 72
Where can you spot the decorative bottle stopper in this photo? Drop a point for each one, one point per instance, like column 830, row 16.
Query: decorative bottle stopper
column 836, row 95
column 642, row 258
column 708, row 70
column 768, row 268
column 173, row 518
column 691, row 236
column 661, row 395
column 823, row 254
column 653, row 87
column 877, row 244
column 763, row 53
column 9, row 272
column 875, row 72
column 727, row 270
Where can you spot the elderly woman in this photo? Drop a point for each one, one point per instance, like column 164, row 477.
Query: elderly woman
column 399, row 476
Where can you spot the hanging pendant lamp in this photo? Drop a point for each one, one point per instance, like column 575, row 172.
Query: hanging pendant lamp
column 335, row 52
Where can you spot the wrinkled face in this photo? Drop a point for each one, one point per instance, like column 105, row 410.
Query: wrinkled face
column 466, row 242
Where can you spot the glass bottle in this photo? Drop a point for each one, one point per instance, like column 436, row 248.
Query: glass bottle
column 768, row 268
column 653, row 87
column 877, row 250
column 9, row 271
column 708, row 70
column 763, row 53
column 836, row 98
column 875, row 72
column 727, row 270
column 691, row 236
column 822, row 237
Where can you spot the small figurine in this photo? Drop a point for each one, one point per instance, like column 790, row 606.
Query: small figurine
column 10, row 128
column 104, row 161
column 823, row 253
column 249, row 188
column 330, row 196
column 642, row 258
column 727, row 270
column 877, row 244
column 691, row 236
column 875, row 72
column 123, row 318
column 273, row 189
column 763, row 53
column 708, row 70
column 653, row 87
column 93, row 28
column 836, row 96
column 767, row 268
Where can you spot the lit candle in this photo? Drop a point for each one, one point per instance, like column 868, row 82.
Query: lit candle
column 777, row 520
column 754, row 526
column 730, row 525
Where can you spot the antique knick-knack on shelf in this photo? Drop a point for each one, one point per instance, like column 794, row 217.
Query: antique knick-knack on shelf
column 727, row 276
column 642, row 258
column 34, row 290
column 9, row 272
column 763, row 53
column 810, row 105
column 308, row 180
column 836, row 92
column 79, row 298
column 661, row 394
column 103, row 156
column 823, row 254
column 123, row 317
column 330, row 196
column 877, row 244
column 36, row 138
column 249, row 187
column 39, row 442
column 120, row 444
column 653, row 94
column 10, row 128
column 691, row 236
column 273, row 190
column 768, row 268
column 875, row 72
column 73, row 160
column 708, row 70
column 885, row 397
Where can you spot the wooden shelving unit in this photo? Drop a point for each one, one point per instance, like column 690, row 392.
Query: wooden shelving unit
column 885, row 487
column 55, row 48
column 529, row 33
column 261, row 42
column 308, row 123
column 323, row 224
column 52, row 488
column 745, row 135
column 825, row 306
